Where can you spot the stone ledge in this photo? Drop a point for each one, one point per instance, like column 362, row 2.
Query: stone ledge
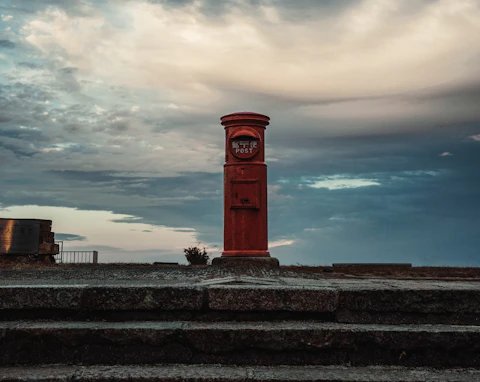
column 194, row 373
column 106, row 297
column 272, row 298
column 349, row 300
column 242, row 343
column 421, row 300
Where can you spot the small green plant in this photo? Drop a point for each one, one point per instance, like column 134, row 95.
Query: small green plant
column 196, row 255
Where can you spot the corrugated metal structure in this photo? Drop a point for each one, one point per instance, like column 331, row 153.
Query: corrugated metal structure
column 27, row 237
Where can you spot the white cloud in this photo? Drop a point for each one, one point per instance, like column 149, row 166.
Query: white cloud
column 274, row 193
column 6, row 18
column 446, row 154
column 339, row 182
column 29, row 128
column 372, row 50
column 99, row 110
column 475, row 137
column 50, row 149
column 280, row 243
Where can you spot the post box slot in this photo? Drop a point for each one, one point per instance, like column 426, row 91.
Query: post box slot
column 245, row 194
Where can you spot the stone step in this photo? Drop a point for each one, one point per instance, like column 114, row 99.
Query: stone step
column 217, row 373
column 347, row 301
column 244, row 343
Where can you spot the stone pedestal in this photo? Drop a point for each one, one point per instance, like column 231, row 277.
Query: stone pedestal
column 247, row 262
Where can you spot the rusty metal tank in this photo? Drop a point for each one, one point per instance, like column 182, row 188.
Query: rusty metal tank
column 27, row 237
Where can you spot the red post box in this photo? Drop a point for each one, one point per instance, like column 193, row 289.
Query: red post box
column 245, row 191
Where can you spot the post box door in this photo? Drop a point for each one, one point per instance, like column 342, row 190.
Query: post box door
column 245, row 194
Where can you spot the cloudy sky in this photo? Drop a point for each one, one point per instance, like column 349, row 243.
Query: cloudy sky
column 109, row 124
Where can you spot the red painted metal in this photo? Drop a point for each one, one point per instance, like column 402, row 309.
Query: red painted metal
column 245, row 186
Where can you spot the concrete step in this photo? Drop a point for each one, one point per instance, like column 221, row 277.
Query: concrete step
column 347, row 301
column 217, row 373
column 244, row 343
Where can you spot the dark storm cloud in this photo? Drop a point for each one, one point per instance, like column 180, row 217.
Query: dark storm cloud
column 204, row 216
column 67, row 81
column 97, row 190
column 19, row 141
column 77, row 8
column 298, row 9
column 453, row 95
column 23, row 108
column 289, row 9
column 23, row 104
column 17, row 148
column 26, row 135
column 207, row 7
column 118, row 126
column 7, row 44
column 73, row 127
column 171, row 3
column 302, row 10
column 425, row 209
column 26, row 92
column 423, row 198
column 30, row 65
column 194, row 184
column 181, row 121
column 467, row 92
column 69, row 237
column 81, row 176
column 203, row 185
column 68, row 70
column 417, row 213
column 203, row 188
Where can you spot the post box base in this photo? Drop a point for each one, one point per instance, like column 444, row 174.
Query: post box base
column 246, row 262
column 245, row 253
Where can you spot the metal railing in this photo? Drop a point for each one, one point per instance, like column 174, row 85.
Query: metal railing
column 77, row 257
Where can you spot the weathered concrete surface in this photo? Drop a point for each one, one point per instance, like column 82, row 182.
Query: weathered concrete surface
column 205, row 316
column 150, row 272
column 106, row 297
column 208, row 294
column 247, row 343
column 276, row 298
column 234, row 373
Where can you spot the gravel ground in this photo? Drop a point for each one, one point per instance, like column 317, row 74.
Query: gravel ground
column 38, row 270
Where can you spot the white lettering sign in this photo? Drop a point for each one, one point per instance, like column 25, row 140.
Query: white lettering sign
column 244, row 147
